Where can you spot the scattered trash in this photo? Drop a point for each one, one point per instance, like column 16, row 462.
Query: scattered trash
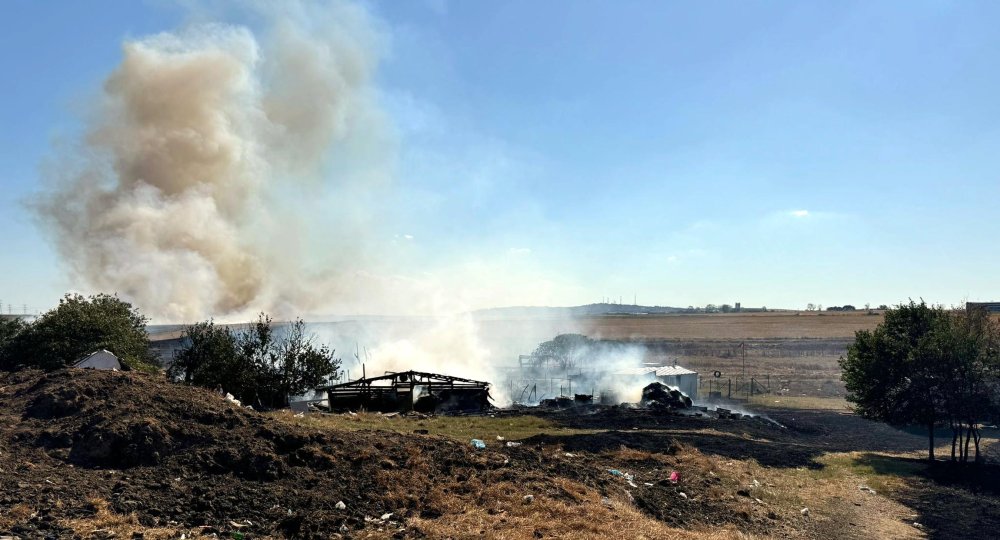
column 805, row 512
column 501, row 438
column 478, row 444
column 232, row 399
column 647, row 484
column 386, row 516
column 340, row 505
column 513, row 444
column 343, row 528
column 684, row 495
column 675, row 477
column 528, row 499
column 299, row 415
column 866, row 489
column 918, row 525
column 236, row 525
column 568, row 454
column 616, row 472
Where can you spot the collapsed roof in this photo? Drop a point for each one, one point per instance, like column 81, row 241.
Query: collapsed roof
column 406, row 391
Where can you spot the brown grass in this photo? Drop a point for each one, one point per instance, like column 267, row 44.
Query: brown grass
column 462, row 428
column 798, row 324
column 105, row 521
column 17, row 514
column 580, row 512
column 800, row 402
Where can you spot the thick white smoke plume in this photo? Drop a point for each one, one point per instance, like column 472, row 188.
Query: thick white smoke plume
column 225, row 170
column 183, row 194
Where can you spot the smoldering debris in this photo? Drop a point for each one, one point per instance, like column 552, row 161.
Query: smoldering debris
column 409, row 391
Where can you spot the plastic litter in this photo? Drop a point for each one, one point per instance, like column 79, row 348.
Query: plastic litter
column 478, row 444
column 340, row 505
column 675, row 477
column 616, row 472
column 513, row 444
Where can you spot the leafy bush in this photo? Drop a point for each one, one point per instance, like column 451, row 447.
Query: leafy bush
column 926, row 366
column 77, row 327
column 256, row 364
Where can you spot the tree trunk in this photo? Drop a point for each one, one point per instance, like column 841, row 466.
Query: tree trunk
column 954, row 439
column 976, row 437
column 930, row 437
column 968, row 439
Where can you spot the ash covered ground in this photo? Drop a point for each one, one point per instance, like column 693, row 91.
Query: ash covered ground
column 80, row 445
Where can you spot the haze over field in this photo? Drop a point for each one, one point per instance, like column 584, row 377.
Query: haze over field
column 425, row 157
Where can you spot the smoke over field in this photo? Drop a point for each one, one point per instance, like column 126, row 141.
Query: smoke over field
column 189, row 191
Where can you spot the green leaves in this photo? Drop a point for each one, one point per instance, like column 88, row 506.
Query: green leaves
column 924, row 365
column 79, row 326
column 261, row 364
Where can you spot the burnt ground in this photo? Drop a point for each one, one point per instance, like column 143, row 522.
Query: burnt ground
column 778, row 438
column 950, row 500
column 185, row 459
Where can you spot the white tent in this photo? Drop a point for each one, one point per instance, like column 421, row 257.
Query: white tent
column 101, row 359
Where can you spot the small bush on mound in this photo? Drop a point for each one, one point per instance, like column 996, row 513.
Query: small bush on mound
column 77, row 327
column 257, row 365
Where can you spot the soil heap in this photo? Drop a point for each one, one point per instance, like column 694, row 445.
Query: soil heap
column 174, row 457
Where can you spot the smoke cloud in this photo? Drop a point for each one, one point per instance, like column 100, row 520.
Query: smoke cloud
column 187, row 190
column 226, row 169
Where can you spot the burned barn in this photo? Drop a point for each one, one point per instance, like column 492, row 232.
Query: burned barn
column 407, row 391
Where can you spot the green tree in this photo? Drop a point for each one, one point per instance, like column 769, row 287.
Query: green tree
column 966, row 354
column 79, row 326
column 260, row 364
column 208, row 357
column 891, row 374
column 10, row 327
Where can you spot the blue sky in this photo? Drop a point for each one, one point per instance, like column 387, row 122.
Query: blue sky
column 688, row 152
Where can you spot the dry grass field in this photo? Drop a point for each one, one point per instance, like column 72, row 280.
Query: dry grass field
column 790, row 325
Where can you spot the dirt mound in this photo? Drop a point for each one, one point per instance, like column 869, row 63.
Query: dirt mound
column 184, row 458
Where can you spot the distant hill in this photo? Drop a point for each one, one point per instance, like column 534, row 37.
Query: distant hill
column 575, row 311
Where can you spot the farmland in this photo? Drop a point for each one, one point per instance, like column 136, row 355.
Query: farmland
column 106, row 454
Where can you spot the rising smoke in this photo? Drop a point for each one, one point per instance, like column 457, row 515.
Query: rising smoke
column 187, row 190
column 226, row 169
